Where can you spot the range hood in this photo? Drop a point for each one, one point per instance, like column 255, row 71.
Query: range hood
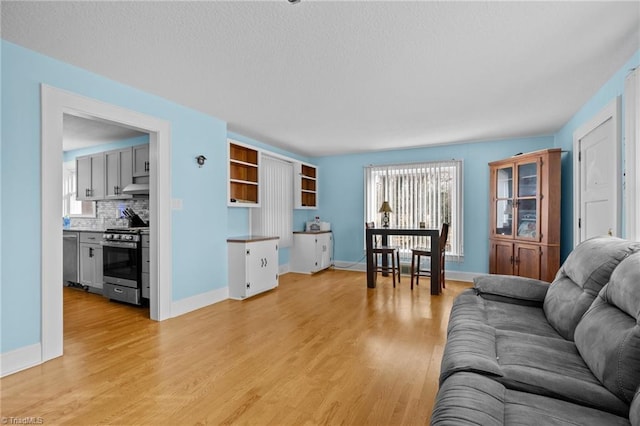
column 136, row 189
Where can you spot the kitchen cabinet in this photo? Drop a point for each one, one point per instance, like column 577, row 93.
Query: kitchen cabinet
column 90, row 172
column 141, row 163
column 243, row 176
column 524, row 228
column 145, row 276
column 91, row 260
column 312, row 251
column 252, row 265
column 305, row 186
column 119, row 172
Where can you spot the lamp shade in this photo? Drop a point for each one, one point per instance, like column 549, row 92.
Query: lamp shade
column 385, row 208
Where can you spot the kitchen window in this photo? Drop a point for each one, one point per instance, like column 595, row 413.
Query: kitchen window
column 70, row 206
column 428, row 192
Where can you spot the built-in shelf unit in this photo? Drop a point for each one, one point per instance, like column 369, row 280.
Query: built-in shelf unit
column 244, row 172
column 306, row 186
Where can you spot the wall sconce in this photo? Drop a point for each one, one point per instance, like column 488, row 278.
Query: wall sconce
column 385, row 209
column 200, row 159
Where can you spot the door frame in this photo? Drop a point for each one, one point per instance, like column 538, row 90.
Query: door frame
column 632, row 155
column 55, row 103
column 610, row 112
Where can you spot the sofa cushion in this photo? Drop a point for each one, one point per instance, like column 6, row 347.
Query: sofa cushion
column 469, row 306
column 586, row 270
column 470, row 346
column 521, row 361
column 608, row 336
column 472, row 399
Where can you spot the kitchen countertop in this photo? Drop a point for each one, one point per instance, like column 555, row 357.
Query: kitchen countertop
column 81, row 229
column 311, row 232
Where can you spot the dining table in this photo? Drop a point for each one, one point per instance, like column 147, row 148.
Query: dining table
column 432, row 234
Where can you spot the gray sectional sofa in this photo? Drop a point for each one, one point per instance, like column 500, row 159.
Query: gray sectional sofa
column 522, row 351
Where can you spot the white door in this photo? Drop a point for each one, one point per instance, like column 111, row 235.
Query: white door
column 598, row 189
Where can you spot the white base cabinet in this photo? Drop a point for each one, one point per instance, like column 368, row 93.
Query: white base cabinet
column 312, row 252
column 91, row 260
column 253, row 265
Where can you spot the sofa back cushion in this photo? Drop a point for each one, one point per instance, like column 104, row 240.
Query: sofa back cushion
column 586, row 270
column 608, row 336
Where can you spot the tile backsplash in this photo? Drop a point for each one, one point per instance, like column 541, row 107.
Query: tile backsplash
column 107, row 212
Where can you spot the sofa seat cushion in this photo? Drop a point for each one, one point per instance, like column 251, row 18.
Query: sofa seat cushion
column 470, row 306
column 536, row 364
column 473, row 399
column 581, row 277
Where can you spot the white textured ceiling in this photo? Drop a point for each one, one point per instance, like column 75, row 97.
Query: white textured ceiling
column 324, row 77
column 80, row 132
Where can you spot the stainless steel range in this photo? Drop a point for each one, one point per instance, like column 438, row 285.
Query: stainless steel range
column 122, row 264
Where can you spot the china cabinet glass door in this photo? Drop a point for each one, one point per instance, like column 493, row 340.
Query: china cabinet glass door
column 527, row 201
column 504, row 201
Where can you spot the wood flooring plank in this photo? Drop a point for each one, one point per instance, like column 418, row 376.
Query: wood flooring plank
column 318, row 350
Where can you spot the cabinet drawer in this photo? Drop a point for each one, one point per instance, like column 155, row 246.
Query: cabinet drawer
column 91, row 237
column 121, row 293
column 145, row 240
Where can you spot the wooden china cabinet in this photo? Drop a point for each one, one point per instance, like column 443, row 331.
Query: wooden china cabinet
column 524, row 227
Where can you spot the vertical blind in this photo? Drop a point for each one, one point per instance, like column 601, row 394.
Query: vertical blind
column 275, row 214
column 420, row 192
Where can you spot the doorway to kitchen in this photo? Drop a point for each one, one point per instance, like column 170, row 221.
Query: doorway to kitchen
column 55, row 104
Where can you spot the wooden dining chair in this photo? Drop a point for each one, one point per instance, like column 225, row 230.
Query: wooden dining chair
column 418, row 253
column 385, row 251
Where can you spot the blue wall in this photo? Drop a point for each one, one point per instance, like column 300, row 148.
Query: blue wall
column 342, row 193
column 199, row 234
column 564, row 139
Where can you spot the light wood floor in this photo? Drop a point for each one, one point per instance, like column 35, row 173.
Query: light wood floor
column 319, row 349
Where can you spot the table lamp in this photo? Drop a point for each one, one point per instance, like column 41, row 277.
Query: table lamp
column 385, row 209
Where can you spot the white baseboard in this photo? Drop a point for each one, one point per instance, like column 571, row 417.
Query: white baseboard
column 198, row 301
column 350, row 266
column 451, row 275
column 20, row 359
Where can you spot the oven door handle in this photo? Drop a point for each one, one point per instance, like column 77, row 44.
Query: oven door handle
column 119, row 244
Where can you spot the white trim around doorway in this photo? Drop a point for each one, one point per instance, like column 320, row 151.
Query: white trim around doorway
column 55, row 103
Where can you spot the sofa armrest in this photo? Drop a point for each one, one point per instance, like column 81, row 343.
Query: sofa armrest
column 511, row 289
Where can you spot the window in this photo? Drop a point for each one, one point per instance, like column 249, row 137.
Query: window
column 420, row 192
column 70, row 206
column 275, row 214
